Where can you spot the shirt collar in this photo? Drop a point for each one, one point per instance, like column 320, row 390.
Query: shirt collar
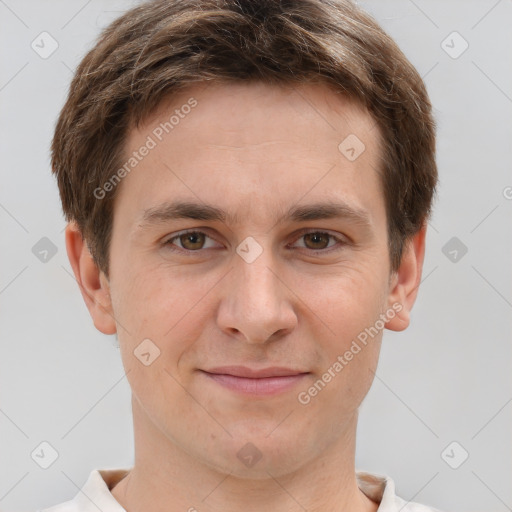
column 95, row 494
column 378, row 488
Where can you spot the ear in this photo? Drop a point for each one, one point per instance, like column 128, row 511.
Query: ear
column 405, row 281
column 92, row 281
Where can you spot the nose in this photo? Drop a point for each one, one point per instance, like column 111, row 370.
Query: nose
column 256, row 305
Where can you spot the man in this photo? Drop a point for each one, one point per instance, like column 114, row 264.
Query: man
column 247, row 185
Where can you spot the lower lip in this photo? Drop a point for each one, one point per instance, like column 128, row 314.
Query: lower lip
column 264, row 386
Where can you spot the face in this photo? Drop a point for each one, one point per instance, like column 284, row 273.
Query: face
column 249, row 253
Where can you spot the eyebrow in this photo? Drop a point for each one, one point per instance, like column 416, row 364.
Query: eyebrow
column 189, row 210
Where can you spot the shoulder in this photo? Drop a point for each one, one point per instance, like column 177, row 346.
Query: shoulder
column 409, row 506
column 67, row 506
column 95, row 494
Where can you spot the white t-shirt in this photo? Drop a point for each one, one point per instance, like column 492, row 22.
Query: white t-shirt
column 95, row 494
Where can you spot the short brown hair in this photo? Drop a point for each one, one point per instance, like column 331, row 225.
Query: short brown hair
column 159, row 47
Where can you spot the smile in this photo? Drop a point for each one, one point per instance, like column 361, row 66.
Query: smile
column 267, row 382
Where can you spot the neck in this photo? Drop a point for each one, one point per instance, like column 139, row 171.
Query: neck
column 166, row 478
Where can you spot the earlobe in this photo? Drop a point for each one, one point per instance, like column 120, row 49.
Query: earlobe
column 93, row 284
column 406, row 280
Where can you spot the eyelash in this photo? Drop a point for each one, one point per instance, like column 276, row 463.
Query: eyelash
column 189, row 252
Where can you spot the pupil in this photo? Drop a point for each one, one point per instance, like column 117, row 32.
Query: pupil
column 316, row 237
column 192, row 238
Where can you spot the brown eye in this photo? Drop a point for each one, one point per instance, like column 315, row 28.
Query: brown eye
column 192, row 241
column 317, row 240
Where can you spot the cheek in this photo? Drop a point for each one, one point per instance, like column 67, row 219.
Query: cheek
column 350, row 306
column 347, row 387
column 348, row 299
column 169, row 309
column 159, row 323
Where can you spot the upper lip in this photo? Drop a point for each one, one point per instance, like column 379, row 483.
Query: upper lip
column 243, row 371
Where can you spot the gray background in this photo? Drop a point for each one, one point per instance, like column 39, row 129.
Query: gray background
column 445, row 379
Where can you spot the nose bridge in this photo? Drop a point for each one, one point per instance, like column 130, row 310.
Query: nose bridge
column 257, row 286
column 256, row 302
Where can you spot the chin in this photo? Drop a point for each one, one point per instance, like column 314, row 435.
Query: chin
column 259, row 456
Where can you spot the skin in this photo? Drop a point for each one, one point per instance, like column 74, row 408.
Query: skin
column 255, row 151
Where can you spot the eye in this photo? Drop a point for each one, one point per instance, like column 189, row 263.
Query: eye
column 319, row 241
column 190, row 241
column 193, row 241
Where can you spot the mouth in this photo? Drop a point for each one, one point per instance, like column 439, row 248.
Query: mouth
column 266, row 381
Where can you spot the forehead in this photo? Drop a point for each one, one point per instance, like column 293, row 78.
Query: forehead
column 237, row 106
column 254, row 147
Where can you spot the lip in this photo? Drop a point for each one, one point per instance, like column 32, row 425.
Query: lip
column 249, row 373
column 266, row 381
